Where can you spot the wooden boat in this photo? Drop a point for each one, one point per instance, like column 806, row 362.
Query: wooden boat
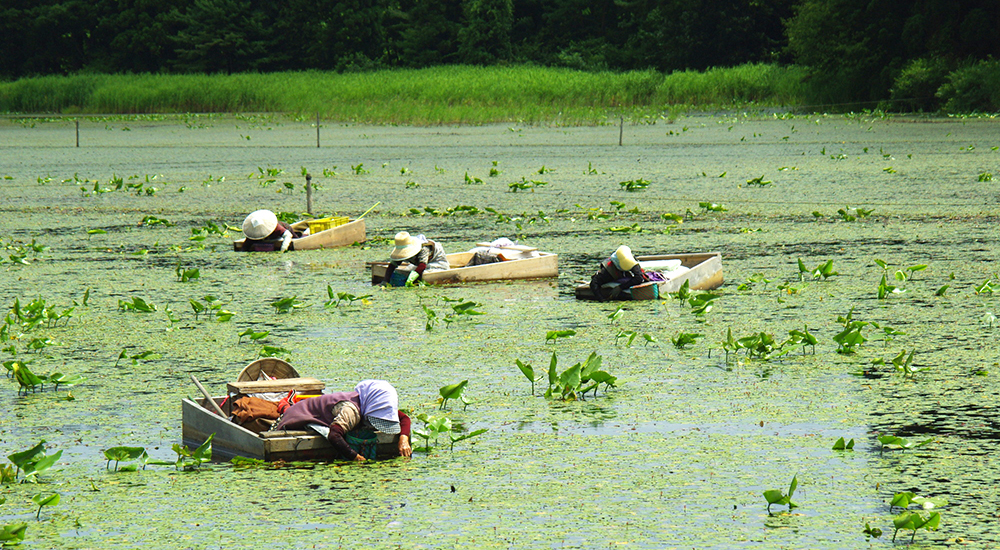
column 523, row 262
column 199, row 422
column 341, row 235
column 702, row 271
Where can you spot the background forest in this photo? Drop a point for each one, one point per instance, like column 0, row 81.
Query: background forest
column 916, row 54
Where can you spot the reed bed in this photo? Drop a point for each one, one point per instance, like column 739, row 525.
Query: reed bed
column 439, row 95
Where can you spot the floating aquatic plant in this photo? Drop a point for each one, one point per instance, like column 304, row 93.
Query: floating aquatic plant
column 634, row 185
column 285, row 305
column 841, row 445
column 776, row 496
column 895, row 443
column 125, row 454
column 33, row 461
column 553, row 335
column 454, row 391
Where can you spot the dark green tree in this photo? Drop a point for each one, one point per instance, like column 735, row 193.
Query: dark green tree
column 484, row 39
column 426, row 32
column 224, row 36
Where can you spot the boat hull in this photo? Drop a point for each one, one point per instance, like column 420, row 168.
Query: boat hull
column 704, row 272
column 545, row 264
column 341, row 235
column 232, row 440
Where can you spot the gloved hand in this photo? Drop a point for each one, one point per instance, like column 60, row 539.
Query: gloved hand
column 285, row 402
column 413, row 276
column 286, row 240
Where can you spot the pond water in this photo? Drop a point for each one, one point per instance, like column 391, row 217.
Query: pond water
column 678, row 455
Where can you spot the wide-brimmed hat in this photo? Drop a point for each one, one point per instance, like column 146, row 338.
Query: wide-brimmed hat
column 625, row 259
column 406, row 246
column 259, row 224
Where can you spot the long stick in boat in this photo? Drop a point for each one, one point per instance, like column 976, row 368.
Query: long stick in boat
column 209, row 397
column 369, row 210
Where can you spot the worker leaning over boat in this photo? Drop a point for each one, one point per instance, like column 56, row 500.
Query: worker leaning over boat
column 622, row 268
column 345, row 417
column 263, row 225
column 423, row 254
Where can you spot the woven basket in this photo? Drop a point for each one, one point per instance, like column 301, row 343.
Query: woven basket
column 275, row 368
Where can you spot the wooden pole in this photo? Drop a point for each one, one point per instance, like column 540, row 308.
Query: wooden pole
column 309, row 195
column 77, row 133
column 621, row 130
column 317, row 130
column 211, row 401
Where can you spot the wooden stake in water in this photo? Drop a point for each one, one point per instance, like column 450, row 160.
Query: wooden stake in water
column 77, row 133
column 317, row 130
column 309, row 195
column 621, row 129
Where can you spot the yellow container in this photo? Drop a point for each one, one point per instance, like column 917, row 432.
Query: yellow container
column 322, row 224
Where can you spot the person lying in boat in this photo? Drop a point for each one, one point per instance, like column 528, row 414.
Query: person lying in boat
column 622, row 268
column 373, row 405
column 424, row 255
column 263, row 225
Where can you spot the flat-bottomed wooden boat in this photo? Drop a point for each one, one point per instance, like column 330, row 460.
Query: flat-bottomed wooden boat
column 702, row 271
column 199, row 421
column 341, row 235
column 526, row 263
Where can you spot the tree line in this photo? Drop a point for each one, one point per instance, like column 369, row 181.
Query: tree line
column 855, row 49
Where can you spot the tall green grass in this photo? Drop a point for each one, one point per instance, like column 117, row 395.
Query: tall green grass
column 439, row 95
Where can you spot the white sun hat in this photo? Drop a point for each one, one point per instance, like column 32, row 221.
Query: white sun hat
column 406, row 246
column 625, row 259
column 259, row 224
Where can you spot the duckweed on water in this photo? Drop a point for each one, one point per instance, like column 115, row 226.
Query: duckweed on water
column 678, row 454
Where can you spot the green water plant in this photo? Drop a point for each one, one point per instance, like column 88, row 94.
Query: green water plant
column 616, row 314
column 529, row 372
column 684, row 339
column 125, row 454
column 707, row 206
column 136, row 304
column 576, row 381
column 135, row 358
column 186, row 275
column 915, row 521
column 525, row 185
column 851, row 336
column 254, row 336
column 896, row 443
column 13, row 534
column 271, row 351
column 841, row 445
column 985, row 288
column 188, row 459
column 454, row 391
column 287, row 304
column 634, row 185
column 41, row 500
column 553, row 335
column 60, row 379
column 802, row 338
column 338, row 297
column 435, row 426
column 26, row 379
column 776, row 496
column 33, row 462
column 758, row 182
column 824, row 270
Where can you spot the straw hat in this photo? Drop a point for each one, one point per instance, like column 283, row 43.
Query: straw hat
column 259, row 224
column 625, row 259
column 406, row 246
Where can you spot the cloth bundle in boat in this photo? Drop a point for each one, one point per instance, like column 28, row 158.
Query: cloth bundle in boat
column 254, row 413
